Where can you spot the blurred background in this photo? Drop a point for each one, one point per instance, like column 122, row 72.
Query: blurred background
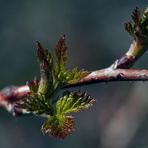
column 95, row 37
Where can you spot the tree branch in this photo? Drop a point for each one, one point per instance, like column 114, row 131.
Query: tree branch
column 10, row 95
column 111, row 75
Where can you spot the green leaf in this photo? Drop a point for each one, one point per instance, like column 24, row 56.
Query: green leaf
column 37, row 104
column 66, row 76
column 73, row 102
column 72, row 76
column 61, row 54
column 44, row 56
column 46, row 71
column 58, row 126
column 138, row 27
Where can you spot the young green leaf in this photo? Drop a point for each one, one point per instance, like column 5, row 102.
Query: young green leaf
column 138, row 28
column 44, row 56
column 46, row 71
column 65, row 76
column 74, row 75
column 58, row 126
column 61, row 54
column 73, row 102
column 38, row 105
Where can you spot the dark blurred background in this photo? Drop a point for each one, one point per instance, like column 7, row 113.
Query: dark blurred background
column 95, row 37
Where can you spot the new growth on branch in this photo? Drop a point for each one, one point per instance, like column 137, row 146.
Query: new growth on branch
column 42, row 98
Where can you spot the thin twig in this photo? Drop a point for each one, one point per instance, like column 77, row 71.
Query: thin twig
column 110, row 75
column 10, row 95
